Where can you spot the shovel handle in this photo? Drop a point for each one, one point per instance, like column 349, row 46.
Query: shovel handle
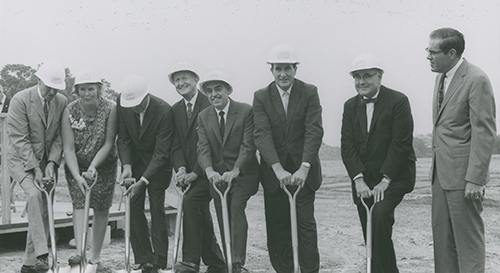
column 48, row 188
column 178, row 222
column 369, row 240
column 88, row 193
column 292, row 198
column 225, row 220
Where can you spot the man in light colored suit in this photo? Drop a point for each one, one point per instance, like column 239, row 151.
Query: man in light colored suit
column 463, row 139
column 226, row 152
column 34, row 152
column 288, row 134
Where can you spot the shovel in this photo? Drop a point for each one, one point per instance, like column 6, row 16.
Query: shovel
column 178, row 224
column 48, row 188
column 88, row 193
column 127, row 182
column 369, row 214
column 225, row 220
column 292, row 198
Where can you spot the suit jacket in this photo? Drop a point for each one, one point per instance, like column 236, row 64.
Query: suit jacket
column 33, row 141
column 387, row 148
column 186, row 136
column 149, row 146
column 464, row 129
column 236, row 149
column 297, row 134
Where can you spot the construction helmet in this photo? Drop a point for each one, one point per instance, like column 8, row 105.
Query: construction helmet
column 133, row 90
column 365, row 61
column 52, row 74
column 283, row 53
column 215, row 76
column 87, row 76
column 181, row 66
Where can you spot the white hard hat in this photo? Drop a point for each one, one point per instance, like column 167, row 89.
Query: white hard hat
column 215, row 76
column 133, row 89
column 181, row 66
column 365, row 61
column 87, row 76
column 283, row 53
column 52, row 74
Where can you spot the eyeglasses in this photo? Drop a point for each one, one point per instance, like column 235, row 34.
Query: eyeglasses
column 365, row 77
column 432, row 52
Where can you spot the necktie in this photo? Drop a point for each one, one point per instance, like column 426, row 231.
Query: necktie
column 189, row 111
column 222, row 125
column 46, row 108
column 441, row 91
column 369, row 100
column 286, row 97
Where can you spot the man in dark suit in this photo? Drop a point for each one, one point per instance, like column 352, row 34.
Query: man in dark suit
column 198, row 230
column 226, row 152
column 35, row 151
column 145, row 129
column 463, row 139
column 288, row 134
column 377, row 151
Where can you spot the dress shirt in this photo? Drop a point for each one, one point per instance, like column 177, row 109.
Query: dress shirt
column 450, row 74
column 369, row 111
column 192, row 101
column 284, row 99
column 225, row 112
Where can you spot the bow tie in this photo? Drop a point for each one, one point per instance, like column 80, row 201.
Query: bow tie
column 368, row 100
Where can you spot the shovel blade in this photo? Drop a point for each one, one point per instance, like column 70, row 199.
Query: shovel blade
column 65, row 269
column 166, row 271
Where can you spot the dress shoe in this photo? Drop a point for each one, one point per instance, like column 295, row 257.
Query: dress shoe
column 238, row 268
column 156, row 268
column 28, row 269
column 186, row 267
column 145, row 268
column 215, row 269
column 42, row 265
column 74, row 260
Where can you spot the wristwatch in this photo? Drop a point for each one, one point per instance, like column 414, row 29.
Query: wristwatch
column 306, row 164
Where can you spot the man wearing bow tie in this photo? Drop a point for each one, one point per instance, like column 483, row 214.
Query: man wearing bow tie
column 377, row 151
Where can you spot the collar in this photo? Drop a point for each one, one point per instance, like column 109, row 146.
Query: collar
column 226, row 109
column 147, row 105
column 452, row 71
column 374, row 96
column 283, row 91
column 40, row 94
column 192, row 101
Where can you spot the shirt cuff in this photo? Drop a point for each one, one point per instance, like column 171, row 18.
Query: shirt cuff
column 360, row 175
column 145, row 180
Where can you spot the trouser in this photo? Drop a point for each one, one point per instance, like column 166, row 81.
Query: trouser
column 38, row 224
column 383, row 254
column 279, row 240
column 149, row 249
column 238, row 225
column 458, row 231
column 198, row 230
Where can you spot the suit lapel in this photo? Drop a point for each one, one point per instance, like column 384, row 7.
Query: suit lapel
column 456, row 82
column 214, row 123
column 361, row 114
column 182, row 119
column 379, row 106
column 277, row 102
column 37, row 103
column 295, row 96
column 148, row 116
column 230, row 118
column 196, row 109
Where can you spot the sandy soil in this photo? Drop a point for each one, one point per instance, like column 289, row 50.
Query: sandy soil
column 340, row 240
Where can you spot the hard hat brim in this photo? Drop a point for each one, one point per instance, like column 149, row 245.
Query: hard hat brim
column 202, row 89
column 133, row 102
column 187, row 70
column 58, row 86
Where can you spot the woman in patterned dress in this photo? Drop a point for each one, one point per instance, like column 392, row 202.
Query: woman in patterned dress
column 88, row 132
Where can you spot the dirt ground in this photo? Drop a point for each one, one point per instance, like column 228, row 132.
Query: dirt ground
column 340, row 239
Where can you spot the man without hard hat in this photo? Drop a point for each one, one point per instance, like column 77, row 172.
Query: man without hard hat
column 463, row 138
column 145, row 130
column 35, row 149
column 226, row 153
column 199, row 239
column 377, row 151
column 288, row 134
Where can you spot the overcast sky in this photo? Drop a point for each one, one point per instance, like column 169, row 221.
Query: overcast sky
column 119, row 38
